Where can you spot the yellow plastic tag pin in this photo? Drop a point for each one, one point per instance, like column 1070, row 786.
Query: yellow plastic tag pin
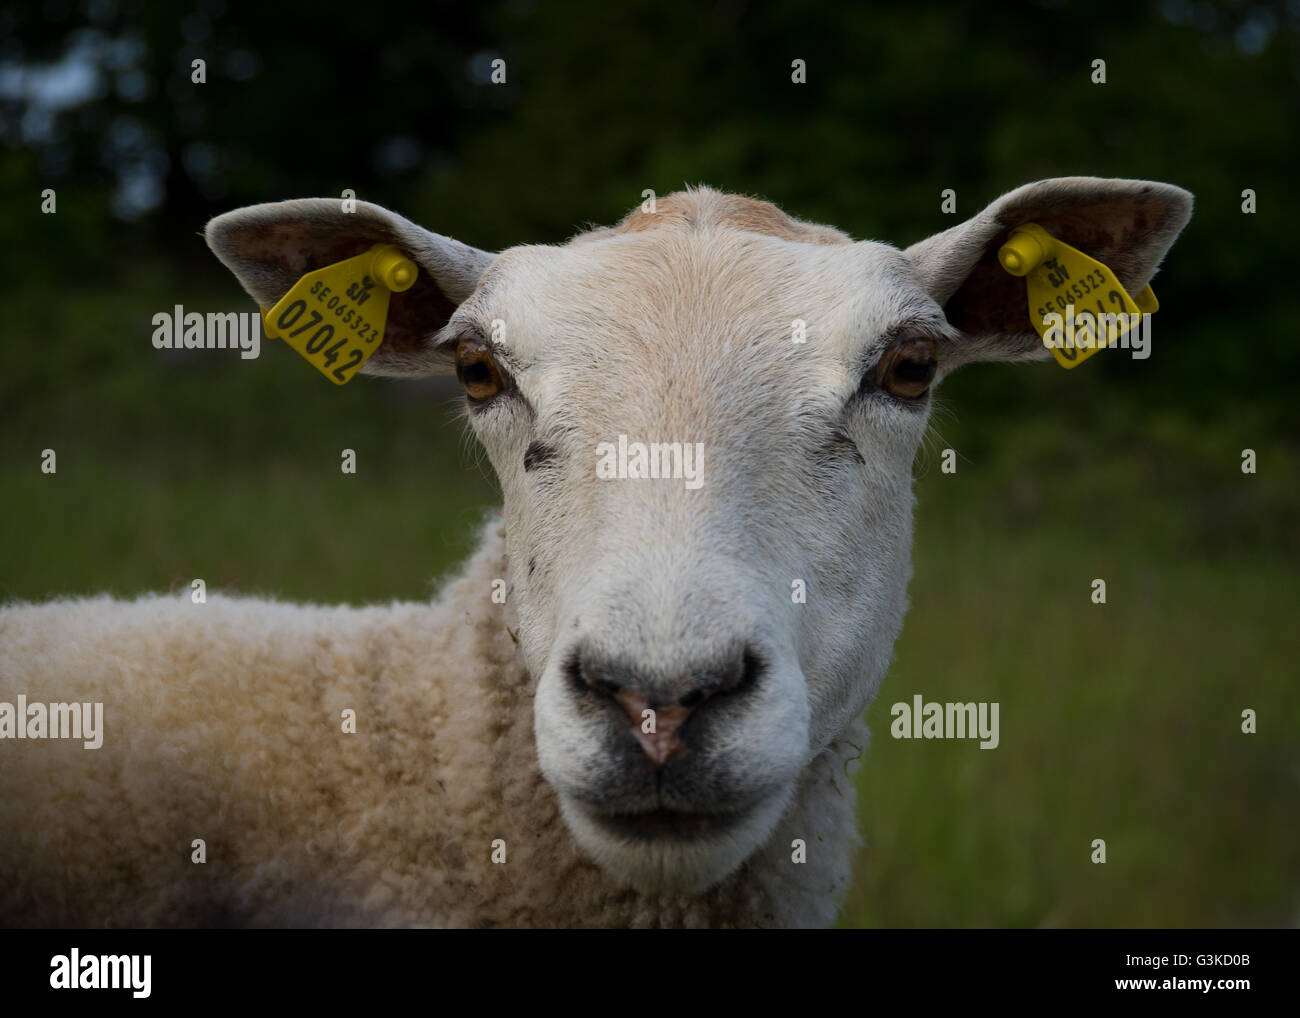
column 1075, row 302
column 335, row 316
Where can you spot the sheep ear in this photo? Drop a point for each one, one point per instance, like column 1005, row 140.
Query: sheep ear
column 1125, row 224
column 270, row 247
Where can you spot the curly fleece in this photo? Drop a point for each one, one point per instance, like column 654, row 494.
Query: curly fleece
column 223, row 722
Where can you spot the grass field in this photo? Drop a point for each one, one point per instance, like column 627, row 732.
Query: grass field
column 1119, row 721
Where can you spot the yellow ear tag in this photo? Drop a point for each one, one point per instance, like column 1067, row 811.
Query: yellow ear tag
column 1075, row 302
column 335, row 316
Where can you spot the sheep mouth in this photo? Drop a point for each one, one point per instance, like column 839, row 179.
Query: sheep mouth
column 669, row 824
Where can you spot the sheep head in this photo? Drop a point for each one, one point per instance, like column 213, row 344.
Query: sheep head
column 703, row 421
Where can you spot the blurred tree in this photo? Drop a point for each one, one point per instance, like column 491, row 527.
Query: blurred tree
column 97, row 100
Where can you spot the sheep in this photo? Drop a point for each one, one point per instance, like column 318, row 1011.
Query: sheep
column 659, row 725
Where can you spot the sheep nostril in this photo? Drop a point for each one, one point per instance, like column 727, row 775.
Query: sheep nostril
column 692, row 699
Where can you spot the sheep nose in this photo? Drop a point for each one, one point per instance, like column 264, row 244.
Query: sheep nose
column 657, row 728
column 659, row 708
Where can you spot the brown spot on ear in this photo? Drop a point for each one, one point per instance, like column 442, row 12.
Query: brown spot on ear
column 704, row 208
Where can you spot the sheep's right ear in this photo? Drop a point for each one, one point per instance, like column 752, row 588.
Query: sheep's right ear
column 270, row 247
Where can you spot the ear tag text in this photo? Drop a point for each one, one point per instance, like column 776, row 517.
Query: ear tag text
column 1064, row 282
column 335, row 316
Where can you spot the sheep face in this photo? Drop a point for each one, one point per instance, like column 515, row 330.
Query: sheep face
column 703, row 422
column 708, row 513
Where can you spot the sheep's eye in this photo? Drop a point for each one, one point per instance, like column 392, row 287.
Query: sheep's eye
column 478, row 371
column 907, row 368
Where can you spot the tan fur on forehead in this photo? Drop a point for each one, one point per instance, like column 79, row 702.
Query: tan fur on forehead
column 704, row 208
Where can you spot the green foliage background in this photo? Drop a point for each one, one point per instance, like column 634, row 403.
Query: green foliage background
column 1119, row 722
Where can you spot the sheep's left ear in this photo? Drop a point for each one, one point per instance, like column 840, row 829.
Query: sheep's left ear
column 270, row 247
column 1125, row 224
